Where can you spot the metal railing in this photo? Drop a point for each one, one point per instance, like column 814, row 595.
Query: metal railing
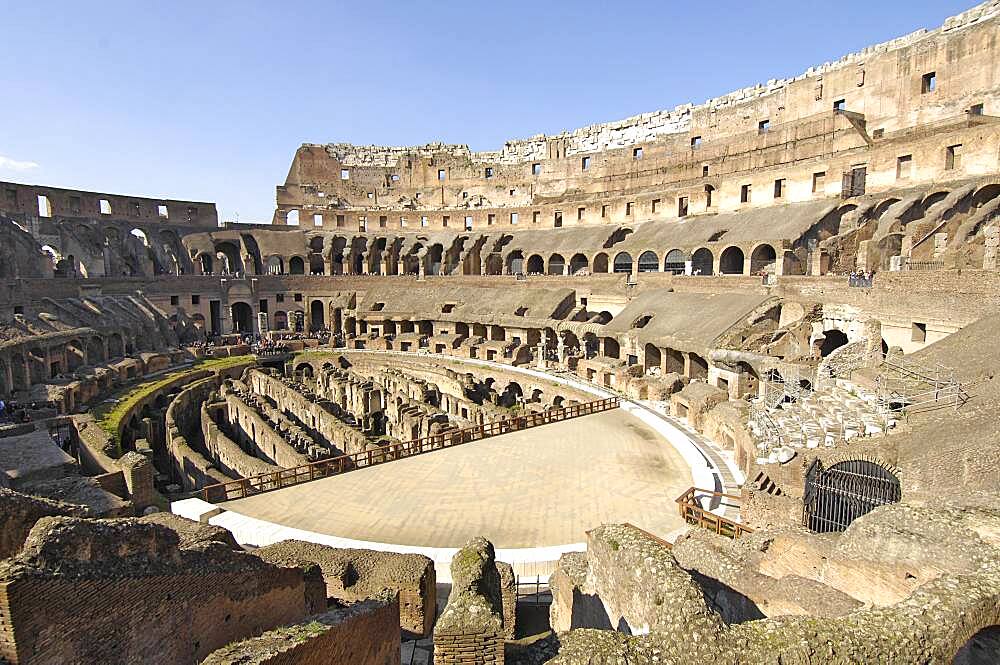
column 693, row 513
column 266, row 482
column 904, row 385
column 923, row 265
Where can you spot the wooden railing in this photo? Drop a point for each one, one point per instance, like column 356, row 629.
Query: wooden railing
column 692, row 512
column 238, row 489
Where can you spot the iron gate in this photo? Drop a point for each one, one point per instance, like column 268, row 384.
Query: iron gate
column 837, row 496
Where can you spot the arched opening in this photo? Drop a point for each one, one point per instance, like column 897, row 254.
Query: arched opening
column 280, row 320
column 116, row 346
column 651, row 357
column 601, row 263
column 229, row 254
column 515, row 263
column 317, row 318
column 881, row 208
column 292, row 218
column 511, row 395
column 673, row 262
column 623, row 262
column 701, row 262
column 985, row 194
column 699, row 367
column 837, row 496
column 305, row 369
column 95, row 351
column 557, row 264
column 577, row 264
column 936, row 197
column 206, row 264
column 434, row 254
column 536, row 265
column 296, row 266
column 275, row 265
column 731, row 261
column 762, row 258
column 316, row 266
column 832, row 340
column 242, row 318
column 649, row 262
column 983, row 648
column 611, row 348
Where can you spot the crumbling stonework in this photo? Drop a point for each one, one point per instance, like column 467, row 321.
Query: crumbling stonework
column 364, row 633
column 123, row 591
column 470, row 630
column 352, row 574
column 19, row 513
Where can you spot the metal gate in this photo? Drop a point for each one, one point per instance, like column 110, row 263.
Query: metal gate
column 837, row 496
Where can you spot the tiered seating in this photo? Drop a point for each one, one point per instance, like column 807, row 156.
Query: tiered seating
column 837, row 413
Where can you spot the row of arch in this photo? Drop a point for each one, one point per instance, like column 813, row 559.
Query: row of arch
column 732, row 261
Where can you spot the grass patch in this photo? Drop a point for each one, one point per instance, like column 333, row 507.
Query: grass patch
column 109, row 413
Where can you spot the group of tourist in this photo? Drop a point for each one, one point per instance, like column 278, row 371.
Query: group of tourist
column 12, row 412
column 861, row 278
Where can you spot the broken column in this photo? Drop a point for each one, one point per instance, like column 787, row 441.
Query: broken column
column 471, row 628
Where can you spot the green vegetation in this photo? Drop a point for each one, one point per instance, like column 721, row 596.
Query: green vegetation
column 109, row 413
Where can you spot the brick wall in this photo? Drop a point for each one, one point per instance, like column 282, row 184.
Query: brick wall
column 468, row 649
column 366, row 633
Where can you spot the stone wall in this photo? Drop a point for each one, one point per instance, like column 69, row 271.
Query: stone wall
column 19, row 513
column 120, row 592
column 353, row 574
column 365, row 633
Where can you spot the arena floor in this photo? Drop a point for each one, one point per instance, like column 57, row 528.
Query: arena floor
column 540, row 487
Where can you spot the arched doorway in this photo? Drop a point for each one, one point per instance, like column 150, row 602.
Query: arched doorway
column 731, row 261
column 701, row 262
column 577, row 264
column 762, row 258
column 601, row 263
column 242, row 318
column 536, row 265
column 317, row 318
column 557, row 264
column 296, row 266
column 515, row 263
column 652, row 357
column 837, row 496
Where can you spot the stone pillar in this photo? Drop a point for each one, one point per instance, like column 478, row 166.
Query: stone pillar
column 540, row 353
column 814, row 267
column 560, row 349
column 992, row 247
column 138, row 472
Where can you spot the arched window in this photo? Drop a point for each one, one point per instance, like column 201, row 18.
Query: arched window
column 557, row 264
column 673, row 262
column 649, row 262
column 623, row 262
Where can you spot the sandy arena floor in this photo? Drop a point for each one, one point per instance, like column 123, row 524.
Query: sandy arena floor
column 540, row 487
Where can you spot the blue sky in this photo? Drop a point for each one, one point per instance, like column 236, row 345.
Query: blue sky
column 209, row 100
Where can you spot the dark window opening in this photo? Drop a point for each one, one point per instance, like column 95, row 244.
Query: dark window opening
column 840, row 105
column 745, row 194
column 779, row 188
column 763, row 126
column 682, row 206
column 928, row 82
column 695, row 142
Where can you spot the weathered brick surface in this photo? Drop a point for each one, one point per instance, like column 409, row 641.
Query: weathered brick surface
column 366, row 633
column 120, row 592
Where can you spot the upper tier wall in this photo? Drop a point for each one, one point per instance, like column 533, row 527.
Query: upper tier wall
column 900, row 98
column 30, row 202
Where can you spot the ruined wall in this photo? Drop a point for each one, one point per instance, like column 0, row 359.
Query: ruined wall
column 19, row 513
column 120, row 591
column 353, row 574
column 870, row 106
column 365, row 633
